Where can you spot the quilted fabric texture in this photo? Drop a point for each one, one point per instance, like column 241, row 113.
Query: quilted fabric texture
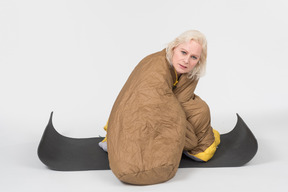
column 152, row 122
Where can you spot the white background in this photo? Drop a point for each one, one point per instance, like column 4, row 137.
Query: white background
column 73, row 57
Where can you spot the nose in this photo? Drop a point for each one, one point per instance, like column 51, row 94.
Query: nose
column 186, row 59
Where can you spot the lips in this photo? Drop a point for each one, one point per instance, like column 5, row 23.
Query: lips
column 182, row 66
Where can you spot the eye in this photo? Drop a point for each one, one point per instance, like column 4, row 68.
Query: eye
column 193, row 57
column 183, row 52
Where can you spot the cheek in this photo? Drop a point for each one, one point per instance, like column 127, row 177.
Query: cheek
column 175, row 58
column 193, row 64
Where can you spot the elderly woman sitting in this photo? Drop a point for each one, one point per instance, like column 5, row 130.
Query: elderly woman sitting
column 157, row 116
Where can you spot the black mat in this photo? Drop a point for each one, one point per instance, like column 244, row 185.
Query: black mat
column 72, row 154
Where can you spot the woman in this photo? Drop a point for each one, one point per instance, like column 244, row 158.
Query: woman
column 157, row 116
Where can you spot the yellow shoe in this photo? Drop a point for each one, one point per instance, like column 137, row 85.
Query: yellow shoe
column 209, row 152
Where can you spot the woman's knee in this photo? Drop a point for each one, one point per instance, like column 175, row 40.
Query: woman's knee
column 203, row 109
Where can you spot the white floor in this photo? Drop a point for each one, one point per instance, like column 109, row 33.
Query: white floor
column 21, row 170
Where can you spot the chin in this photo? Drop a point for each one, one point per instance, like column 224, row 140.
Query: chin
column 181, row 72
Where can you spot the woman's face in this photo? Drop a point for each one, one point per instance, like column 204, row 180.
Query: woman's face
column 186, row 56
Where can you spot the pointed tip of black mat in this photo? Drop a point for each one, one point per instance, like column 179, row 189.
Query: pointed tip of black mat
column 51, row 116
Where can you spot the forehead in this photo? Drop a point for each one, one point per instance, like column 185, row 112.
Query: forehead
column 191, row 46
